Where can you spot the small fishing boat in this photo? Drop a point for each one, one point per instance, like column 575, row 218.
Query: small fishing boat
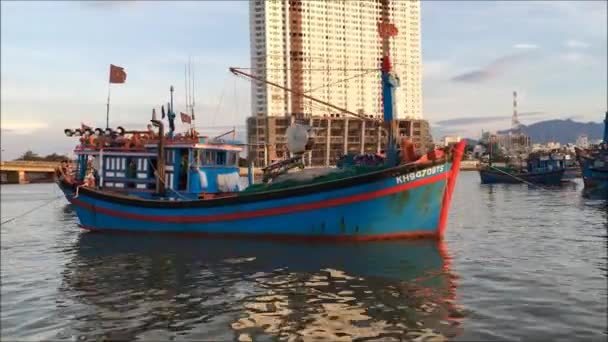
column 541, row 168
column 594, row 164
column 573, row 171
column 190, row 184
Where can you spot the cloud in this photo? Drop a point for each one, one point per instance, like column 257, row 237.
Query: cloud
column 22, row 127
column 435, row 68
column 490, row 71
column 108, row 4
column 576, row 44
column 479, row 120
column 525, row 46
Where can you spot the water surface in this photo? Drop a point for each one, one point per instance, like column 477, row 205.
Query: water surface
column 517, row 263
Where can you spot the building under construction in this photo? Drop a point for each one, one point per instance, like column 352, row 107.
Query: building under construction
column 304, row 52
column 334, row 136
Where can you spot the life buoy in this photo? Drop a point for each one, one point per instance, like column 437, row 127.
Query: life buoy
column 99, row 142
column 135, row 140
column 127, row 143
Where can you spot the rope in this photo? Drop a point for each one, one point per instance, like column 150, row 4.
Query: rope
column 30, row 211
column 164, row 184
column 219, row 104
column 519, row 179
column 337, row 82
column 312, row 69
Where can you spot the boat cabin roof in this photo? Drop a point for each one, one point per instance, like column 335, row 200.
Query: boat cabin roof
column 149, row 147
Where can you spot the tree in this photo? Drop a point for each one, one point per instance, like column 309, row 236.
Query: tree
column 29, row 155
column 55, row 157
column 32, row 156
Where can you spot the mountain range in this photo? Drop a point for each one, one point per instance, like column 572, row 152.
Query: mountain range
column 562, row 131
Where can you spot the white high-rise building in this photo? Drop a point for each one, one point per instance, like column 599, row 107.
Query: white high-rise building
column 582, row 141
column 310, row 46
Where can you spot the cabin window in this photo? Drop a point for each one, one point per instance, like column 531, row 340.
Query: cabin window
column 232, row 158
column 170, row 157
column 196, row 157
column 220, row 158
column 209, row 157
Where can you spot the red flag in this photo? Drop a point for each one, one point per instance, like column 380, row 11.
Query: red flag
column 387, row 30
column 185, row 117
column 117, row 74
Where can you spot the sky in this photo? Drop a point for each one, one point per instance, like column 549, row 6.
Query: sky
column 55, row 57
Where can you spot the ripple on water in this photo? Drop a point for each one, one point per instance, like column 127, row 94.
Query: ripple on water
column 517, row 264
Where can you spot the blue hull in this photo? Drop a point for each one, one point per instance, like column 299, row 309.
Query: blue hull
column 594, row 177
column 393, row 203
column 497, row 177
column 572, row 173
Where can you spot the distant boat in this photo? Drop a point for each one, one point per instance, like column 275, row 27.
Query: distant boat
column 542, row 168
column 573, row 171
column 489, row 176
column 594, row 164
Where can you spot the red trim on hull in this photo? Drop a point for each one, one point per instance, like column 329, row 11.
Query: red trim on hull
column 266, row 212
column 269, row 236
column 447, row 196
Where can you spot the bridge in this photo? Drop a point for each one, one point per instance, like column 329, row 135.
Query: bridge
column 24, row 171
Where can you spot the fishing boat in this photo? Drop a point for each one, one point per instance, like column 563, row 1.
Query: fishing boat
column 541, row 168
column 573, row 170
column 594, row 164
column 152, row 182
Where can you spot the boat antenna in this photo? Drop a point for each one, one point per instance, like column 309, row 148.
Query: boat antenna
column 186, row 86
column 192, row 97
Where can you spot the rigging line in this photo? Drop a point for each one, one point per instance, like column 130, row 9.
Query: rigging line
column 321, row 70
column 339, row 81
column 236, row 102
column 219, row 103
column 318, row 106
column 165, row 184
column 30, row 211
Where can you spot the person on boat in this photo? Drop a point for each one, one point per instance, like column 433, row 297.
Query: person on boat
column 131, row 172
column 65, row 172
column 61, row 171
column 89, row 181
column 183, row 172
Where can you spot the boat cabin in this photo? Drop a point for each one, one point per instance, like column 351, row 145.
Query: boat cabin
column 545, row 162
column 193, row 167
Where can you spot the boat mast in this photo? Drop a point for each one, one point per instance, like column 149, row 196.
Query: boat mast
column 390, row 81
column 160, row 161
column 192, row 98
column 606, row 129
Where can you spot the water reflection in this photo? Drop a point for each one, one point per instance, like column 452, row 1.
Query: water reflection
column 165, row 287
column 595, row 194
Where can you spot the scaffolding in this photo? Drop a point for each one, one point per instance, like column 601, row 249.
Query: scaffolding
column 335, row 136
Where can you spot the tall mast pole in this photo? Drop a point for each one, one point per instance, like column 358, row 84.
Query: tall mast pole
column 192, row 97
column 192, row 92
column 389, row 82
column 186, row 86
column 108, row 108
